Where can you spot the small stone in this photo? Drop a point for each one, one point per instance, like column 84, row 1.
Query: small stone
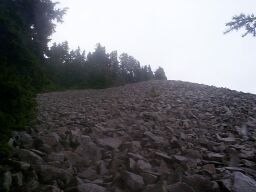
column 102, row 168
column 164, row 156
column 180, row 159
column 227, row 139
column 209, row 168
column 215, row 156
column 132, row 164
column 155, row 138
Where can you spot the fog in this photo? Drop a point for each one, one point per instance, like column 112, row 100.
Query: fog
column 185, row 37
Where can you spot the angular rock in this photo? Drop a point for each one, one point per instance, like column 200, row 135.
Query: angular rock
column 111, row 142
column 149, row 178
column 89, row 173
column 143, row 165
column 49, row 188
column 200, row 183
column 215, row 156
column 133, row 181
column 210, row 168
column 56, row 157
column 227, row 139
column 23, row 139
column 90, row 153
column 243, row 183
column 90, row 187
column 49, row 173
column 159, row 187
column 155, row 138
column 179, row 187
column 74, row 159
column 52, row 139
column 28, row 156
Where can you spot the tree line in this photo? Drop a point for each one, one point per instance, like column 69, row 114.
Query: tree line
column 74, row 69
column 28, row 66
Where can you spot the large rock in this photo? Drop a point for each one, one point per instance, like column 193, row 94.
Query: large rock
column 23, row 139
column 180, row 187
column 243, row 183
column 111, row 142
column 143, row 165
column 86, row 187
column 90, row 187
column 90, row 153
column 56, row 157
column 49, row 188
column 155, row 138
column 48, row 173
column 28, row 156
column 89, row 173
column 75, row 159
column 159, row 187
column 200, row 183
column 133, row 181
column 51, row 139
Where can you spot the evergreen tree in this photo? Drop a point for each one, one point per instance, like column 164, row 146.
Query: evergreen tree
column 248, row 22
column 99, row 64
column 160, row 74
column 114, row 67
column 150, row 74
column 25, row 27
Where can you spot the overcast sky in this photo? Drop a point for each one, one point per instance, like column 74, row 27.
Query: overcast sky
column 185, row 37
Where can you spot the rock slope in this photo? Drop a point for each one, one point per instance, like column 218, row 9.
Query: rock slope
column 157, row 136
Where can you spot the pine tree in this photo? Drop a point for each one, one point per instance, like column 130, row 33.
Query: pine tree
column 248, row 22
column 160, row 74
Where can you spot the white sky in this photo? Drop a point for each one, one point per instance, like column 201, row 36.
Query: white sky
column 185, row 37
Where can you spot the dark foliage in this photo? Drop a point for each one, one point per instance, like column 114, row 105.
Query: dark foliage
column 72, row 69
column 160, row 74
column 25, row 26
column 248, row 22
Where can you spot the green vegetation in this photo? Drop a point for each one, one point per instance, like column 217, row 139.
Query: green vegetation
column 25, row 26
column 73, row 69
column 154, row 92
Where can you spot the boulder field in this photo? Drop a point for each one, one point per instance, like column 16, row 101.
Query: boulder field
column 155, row 136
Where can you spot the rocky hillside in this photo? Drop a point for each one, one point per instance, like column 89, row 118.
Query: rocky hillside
column 157, row 136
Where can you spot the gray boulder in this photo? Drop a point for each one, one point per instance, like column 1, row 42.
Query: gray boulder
column 243, row 183
column 133, row 181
